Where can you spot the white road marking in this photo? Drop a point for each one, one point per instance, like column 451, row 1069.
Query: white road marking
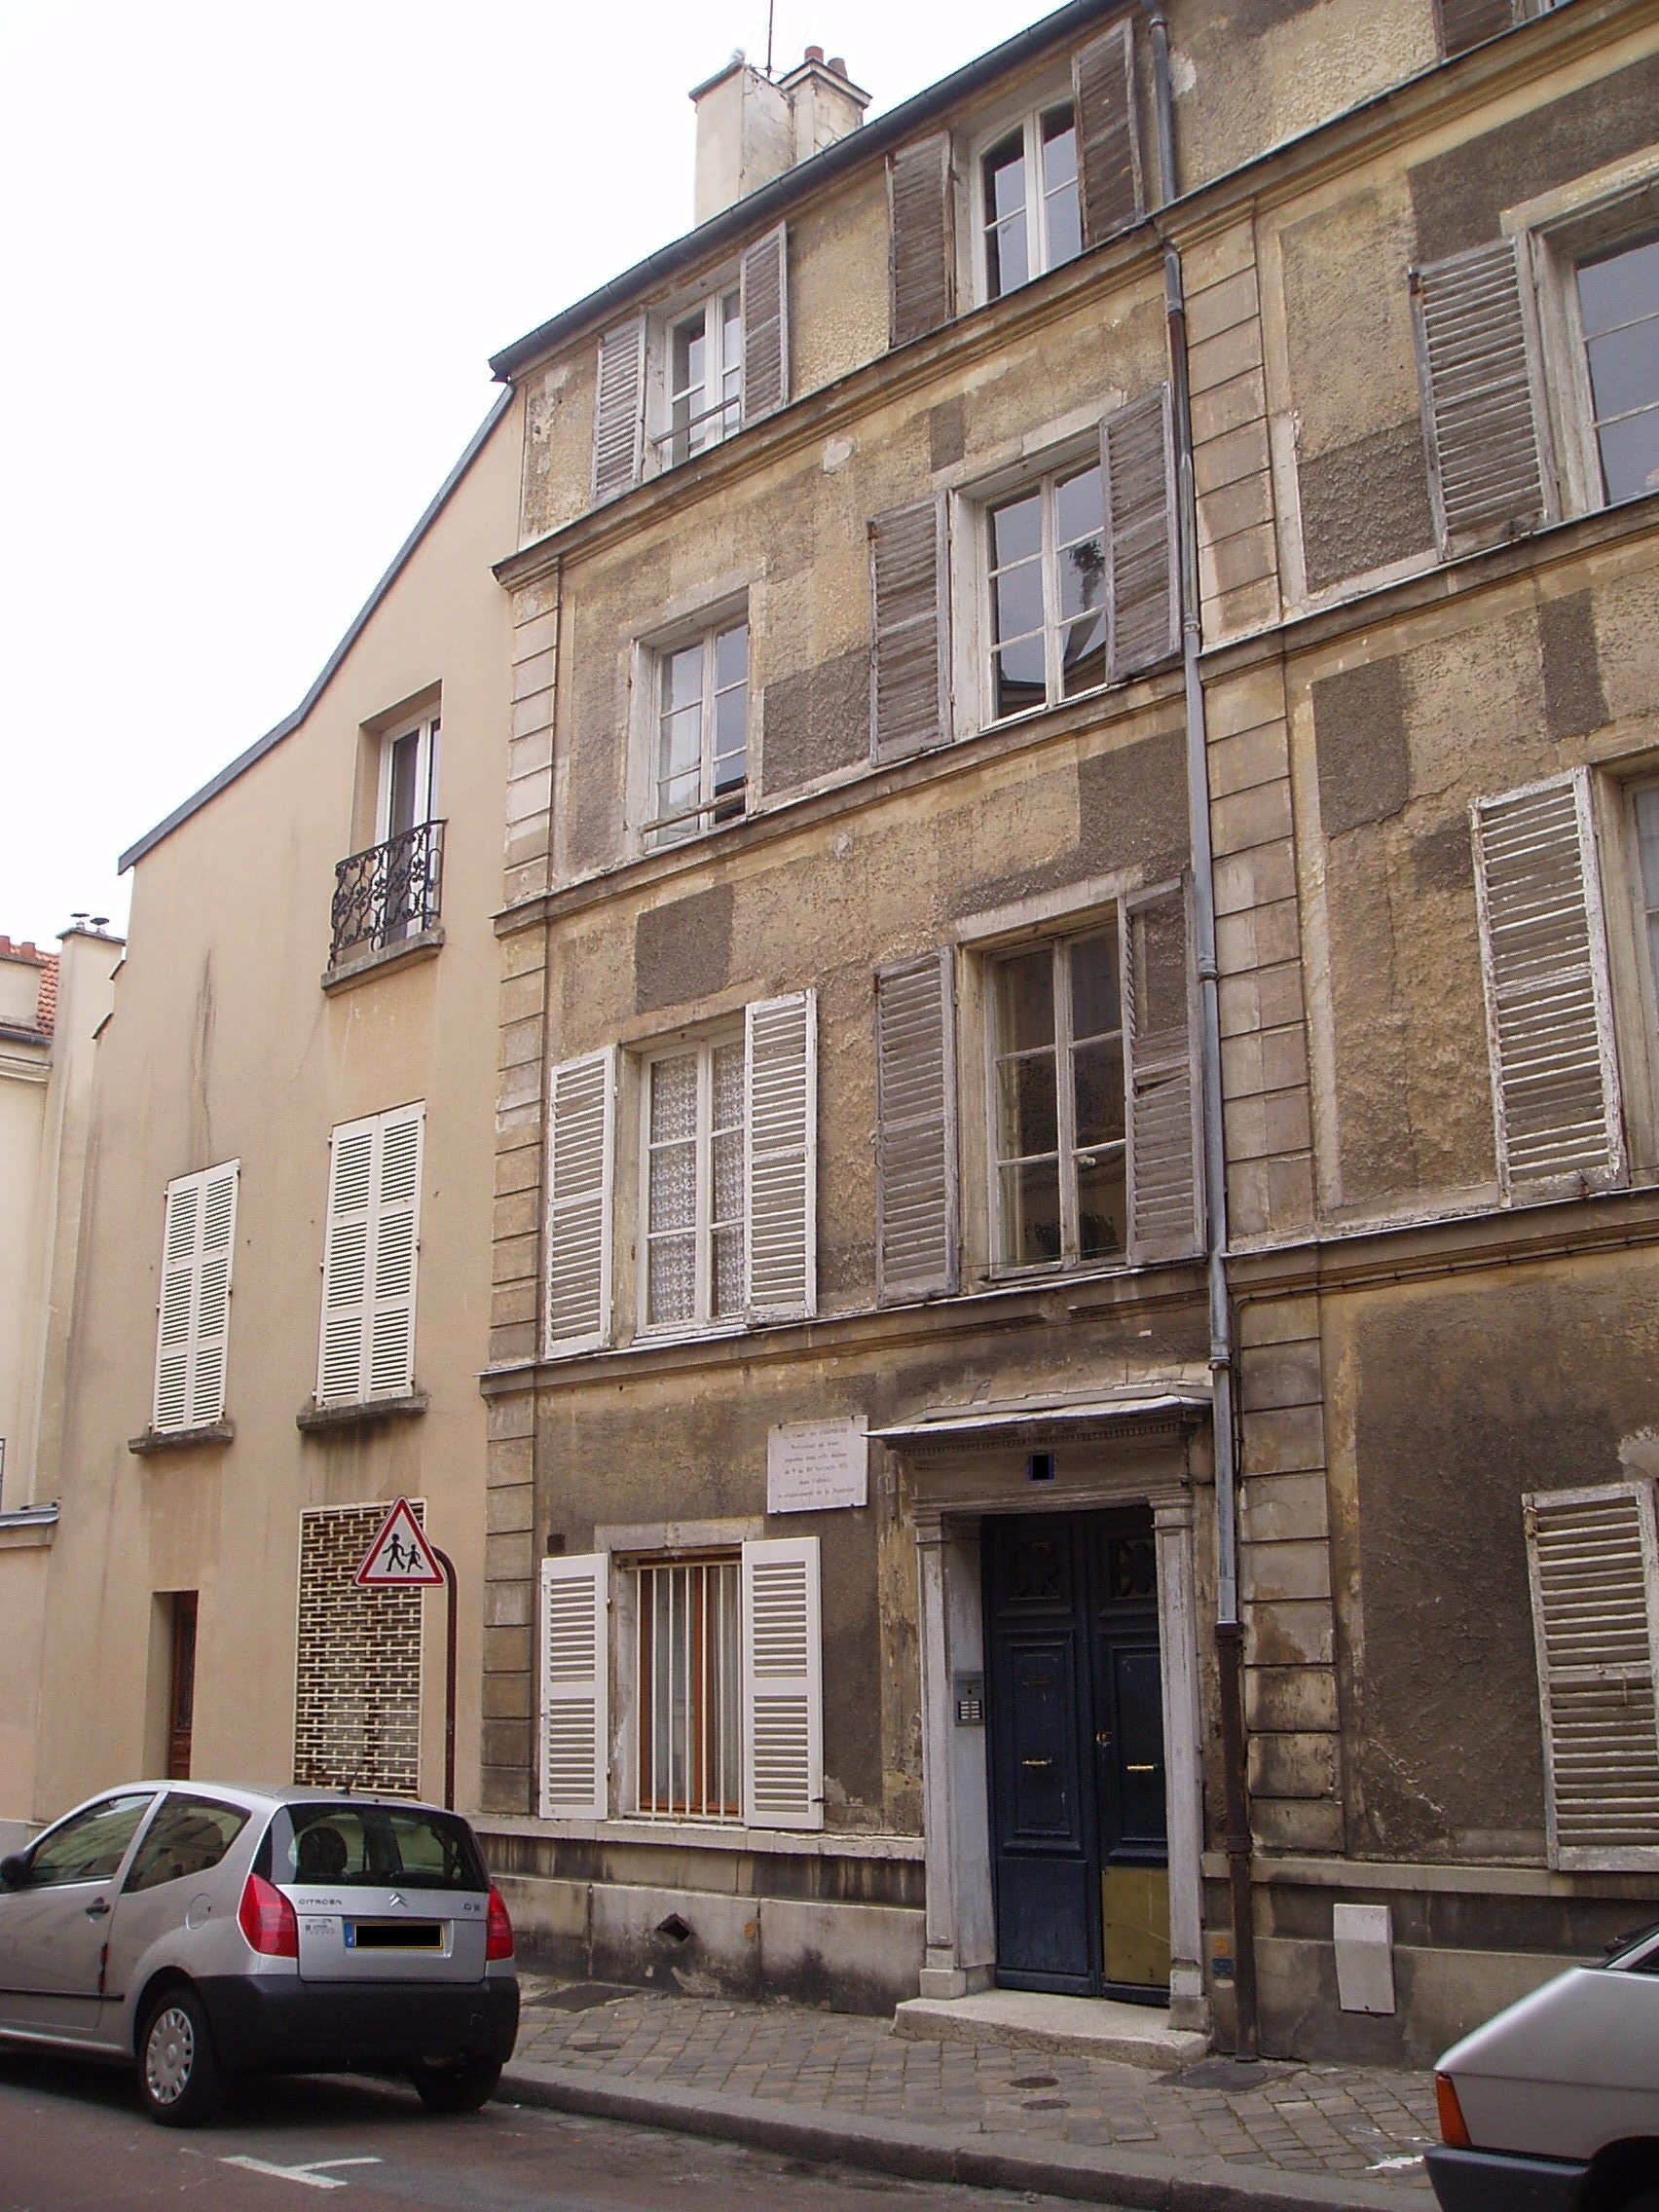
column 311, row 2176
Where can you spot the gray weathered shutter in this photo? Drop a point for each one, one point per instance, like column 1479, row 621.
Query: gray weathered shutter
column 1108, row 138
column 1471, row 22
column 909, row 664
column 1592, row 1565
column 1165, row 1186
column 1486, row 428
column 582, row 1142
column 782, row 1684
column 763, row 281
column 619, row 410
column 1544, row 962
column 915, row 1142
column 1143, row 599
column 575, row 1686
column 780, row 1131
column 922, row 242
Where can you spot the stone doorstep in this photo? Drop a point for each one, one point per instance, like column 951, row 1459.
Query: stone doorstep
column 1090, row 2027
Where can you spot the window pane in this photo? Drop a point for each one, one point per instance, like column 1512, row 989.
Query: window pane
column 682, row 678
column 1080, row 508
column 1622, row 288
column 1624, row 369
column 1062, row 215
column 689, row 1689
column 1647, row 835
column 1027, row 1107
column 1030, row 1214
column 671, row 1289
column 1630, row 455
column 1021, row 681
column 91, row 1847
column 1097, row 1076
column 1018, row 595
column 1083, row 656
column 1016, row 530
column 674, row 1098
column 731, row 657
column 1025, row 1000
column 726, row 1287
column 1093, row 964
column 188, row 1835
column 1103, row 1209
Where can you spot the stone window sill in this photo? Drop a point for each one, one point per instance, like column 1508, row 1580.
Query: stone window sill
column 361, row 1413
column 423, row 946
column 30, row 1527
column 215, row 1432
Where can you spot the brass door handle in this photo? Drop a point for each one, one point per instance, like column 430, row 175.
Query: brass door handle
column 1036, row 1762
column 1150, row 1768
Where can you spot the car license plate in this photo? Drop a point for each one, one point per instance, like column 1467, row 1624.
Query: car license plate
column 394, row 1936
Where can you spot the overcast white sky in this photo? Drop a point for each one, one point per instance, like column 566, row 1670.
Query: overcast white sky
column 256, row 261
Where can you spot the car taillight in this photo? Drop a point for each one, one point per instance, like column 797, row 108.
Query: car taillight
column 497, row 1930
column 1453, row 2127
column 267, row 1919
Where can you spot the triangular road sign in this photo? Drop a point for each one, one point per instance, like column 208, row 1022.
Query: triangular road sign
column 400, row 1557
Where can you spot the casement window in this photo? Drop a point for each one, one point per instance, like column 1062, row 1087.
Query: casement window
column 724, row 1200
column 193, row 1330
column 1555, row 1077
column 1464, row 23
column 1538, row 360
column 699, row 692
column 408, row 777
column 674, row 383
column 1040, row 187
column 371, row 1248
column 1045, row 569
column 684, row 1688
column 393, row 889
column 1594, row 1570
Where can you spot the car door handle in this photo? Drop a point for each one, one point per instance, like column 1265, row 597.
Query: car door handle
column 97, row 1908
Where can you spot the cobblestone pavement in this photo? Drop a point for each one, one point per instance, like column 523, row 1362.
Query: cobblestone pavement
column 1312, row 2119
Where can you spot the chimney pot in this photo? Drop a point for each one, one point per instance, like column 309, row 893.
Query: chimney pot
column 815, row 53
column 838, row 65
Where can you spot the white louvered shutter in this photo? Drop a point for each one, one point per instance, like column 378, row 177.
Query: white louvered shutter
column 780, row 1157
column 1143, row 599
column 783, row 1685
column 396, row 1248
column 575, row 1683
column 1166, row 1217
column 1489, row 469
column 915, row 1145
column 1544, row 962
column 581, row 1145
column 194, row 1321
column 1108, row 163
column 1593, row 1570
column 619, row 410
column 909, row 698
column 921, row 242
column 345, row 1262
column 763, row 282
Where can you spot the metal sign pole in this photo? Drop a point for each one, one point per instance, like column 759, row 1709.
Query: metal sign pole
column 450, row 1609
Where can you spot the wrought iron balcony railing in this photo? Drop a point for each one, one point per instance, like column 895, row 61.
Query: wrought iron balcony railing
column 389, row 893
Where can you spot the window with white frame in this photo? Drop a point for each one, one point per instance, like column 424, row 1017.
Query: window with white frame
column 392, row 890
column 1045, row 566
column 1616, row 294
column 193, row 1327
column 685, row 1687
column 1030, row 212
column 705, row 377
column 699, row 690
column 692, row 1240
column 408, row 794
column 370, row 1255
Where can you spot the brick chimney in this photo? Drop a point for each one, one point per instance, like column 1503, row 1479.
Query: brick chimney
column 750, row 131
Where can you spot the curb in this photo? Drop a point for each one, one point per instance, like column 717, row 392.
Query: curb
column 1138, row 2180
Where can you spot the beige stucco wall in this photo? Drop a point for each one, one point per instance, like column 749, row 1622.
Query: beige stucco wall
column 223, row 1047
column 23, row 1073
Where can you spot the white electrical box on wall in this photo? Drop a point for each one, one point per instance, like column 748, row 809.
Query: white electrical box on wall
column 1363, row 1936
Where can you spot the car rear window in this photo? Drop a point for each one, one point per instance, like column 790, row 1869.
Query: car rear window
column 188, row 1835
column 329, row 1846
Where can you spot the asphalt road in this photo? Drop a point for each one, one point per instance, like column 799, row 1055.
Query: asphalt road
column 73, row 2139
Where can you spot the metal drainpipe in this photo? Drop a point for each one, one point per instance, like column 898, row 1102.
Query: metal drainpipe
column 1229, row 1633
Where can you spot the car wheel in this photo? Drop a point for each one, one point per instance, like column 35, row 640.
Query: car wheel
column 462, row 2087
column 178, row 2070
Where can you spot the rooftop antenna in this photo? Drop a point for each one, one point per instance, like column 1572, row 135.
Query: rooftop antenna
column 771, row 12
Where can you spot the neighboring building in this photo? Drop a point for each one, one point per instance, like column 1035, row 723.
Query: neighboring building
column 283, row 1285
column 52, row 1007
column 854, row 987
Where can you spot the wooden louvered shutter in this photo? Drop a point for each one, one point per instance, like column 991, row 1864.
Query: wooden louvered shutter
column 780, row 1155
column 916, row 1131
column 922, row 241
column 1594, row 1568
column 909, row 695
column 1544, row 962
column 763, row 280
column 194, row 1321
column 619, row 410
column 1137, row 461
column 1487, row 431
column 1164, row 1182
column 582, row 1142
column 345, row 1263
column 1471, row 22
column 1108, row 163
column 396, row 1250
column 783, row 1685
column 575, row 1686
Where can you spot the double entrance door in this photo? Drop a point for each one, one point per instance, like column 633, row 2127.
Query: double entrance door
column 1075, row 1724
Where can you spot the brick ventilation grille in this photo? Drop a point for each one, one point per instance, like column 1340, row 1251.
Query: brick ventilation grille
column 357, row 1705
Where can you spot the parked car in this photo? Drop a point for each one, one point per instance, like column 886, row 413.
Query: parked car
column 1554, row 2105
column 203, row 1930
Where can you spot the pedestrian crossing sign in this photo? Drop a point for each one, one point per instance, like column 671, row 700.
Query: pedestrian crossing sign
column 400, row 1557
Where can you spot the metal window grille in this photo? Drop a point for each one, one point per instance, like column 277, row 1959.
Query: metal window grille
column 389, row 893
column 690, row 1685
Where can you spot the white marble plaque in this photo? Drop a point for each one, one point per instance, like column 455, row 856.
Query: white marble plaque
column 813, row 1466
